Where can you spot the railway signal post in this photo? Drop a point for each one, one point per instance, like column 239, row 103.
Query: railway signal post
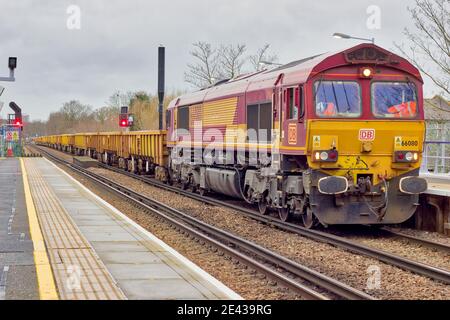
column 161, row 75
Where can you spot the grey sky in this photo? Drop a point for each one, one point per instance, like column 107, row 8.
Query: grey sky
column 116, row 47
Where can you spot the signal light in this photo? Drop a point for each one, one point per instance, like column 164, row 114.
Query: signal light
column 123, row 123
column 12, row 63
column 123, row 120
column 17, row 122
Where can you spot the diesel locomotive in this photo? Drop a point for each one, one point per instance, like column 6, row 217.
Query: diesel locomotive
column 335, row 138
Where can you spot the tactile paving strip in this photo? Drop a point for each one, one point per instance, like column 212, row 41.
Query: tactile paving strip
column 78, row 272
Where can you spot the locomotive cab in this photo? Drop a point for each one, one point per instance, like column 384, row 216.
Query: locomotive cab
column 365, row 135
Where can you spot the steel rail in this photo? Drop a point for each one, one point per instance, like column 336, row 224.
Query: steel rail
column 421, row 241
column 205, row 232
column 352, row 246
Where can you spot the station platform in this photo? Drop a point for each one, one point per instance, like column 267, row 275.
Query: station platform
column 67, row 243
column 438, row 184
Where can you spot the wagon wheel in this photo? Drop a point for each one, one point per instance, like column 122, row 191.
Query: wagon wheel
column 202, row 191
column 284, row 214
column 184, row 185
column 194, row 188
column 262, row 206
column 309, row 219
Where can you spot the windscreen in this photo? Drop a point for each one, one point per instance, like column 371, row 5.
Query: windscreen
column 337, row 99
column 394, row 100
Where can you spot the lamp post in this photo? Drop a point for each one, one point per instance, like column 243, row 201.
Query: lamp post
column 346, row 36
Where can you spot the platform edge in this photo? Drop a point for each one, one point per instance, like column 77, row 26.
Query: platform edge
column 44, row 272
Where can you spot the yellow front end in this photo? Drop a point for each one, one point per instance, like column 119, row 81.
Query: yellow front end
column 362, row 153
column 364, row 172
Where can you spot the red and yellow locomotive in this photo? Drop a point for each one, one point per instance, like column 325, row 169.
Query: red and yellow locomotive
column 335, row 138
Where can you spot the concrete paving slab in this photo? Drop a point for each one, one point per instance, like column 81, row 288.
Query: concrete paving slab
column 118, row 246
column 127, row 257
column 143, row 271
column 174, row 289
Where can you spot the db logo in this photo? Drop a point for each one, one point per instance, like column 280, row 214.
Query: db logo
column 366, row 134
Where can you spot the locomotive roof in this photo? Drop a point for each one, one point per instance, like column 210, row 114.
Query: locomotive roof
column 295, row 72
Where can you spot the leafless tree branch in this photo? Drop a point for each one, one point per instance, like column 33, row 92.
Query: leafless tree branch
column 430, row 41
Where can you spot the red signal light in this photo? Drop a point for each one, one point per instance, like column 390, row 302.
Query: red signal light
column 123, row 123
column 18, row 122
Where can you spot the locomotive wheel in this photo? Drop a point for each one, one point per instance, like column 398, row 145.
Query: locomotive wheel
column 262, row 206
column 309, row 219
column 284, row 214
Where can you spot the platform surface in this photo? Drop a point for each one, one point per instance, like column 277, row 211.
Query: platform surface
column 17, row 267
column 96, row 252
column 438, row 184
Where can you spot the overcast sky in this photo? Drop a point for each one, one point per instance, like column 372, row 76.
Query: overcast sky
column 116, row 46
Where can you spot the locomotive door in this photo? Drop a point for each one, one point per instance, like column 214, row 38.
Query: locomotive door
column 292, row 106
column 277, row 129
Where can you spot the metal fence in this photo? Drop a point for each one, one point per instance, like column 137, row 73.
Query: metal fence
column 436, row 157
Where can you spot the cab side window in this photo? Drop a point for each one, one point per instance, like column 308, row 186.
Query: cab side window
column 183, row 118
column 292, row 109
column 301, row 102
column 294, row 105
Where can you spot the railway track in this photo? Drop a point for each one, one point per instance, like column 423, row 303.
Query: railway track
column 256, row 257
column 324, row 237
column 421, row 241
column 401, row 262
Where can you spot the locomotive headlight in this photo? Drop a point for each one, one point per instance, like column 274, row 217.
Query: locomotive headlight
column 367, row 72
column 324, row 156
column 409, row 156
column 317, row 155
column 415, row 156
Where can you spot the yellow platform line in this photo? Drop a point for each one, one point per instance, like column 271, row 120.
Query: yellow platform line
column 46, row 282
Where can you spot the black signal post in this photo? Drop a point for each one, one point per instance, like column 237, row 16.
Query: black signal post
column 161, row 74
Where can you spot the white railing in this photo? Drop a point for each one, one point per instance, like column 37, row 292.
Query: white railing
column 436, row 157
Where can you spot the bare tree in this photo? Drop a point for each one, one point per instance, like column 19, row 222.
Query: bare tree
column 231, row 60
column 429, row 49
column 118, row 99
column 74, row 112
column 204, row 71
column 261, row 56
